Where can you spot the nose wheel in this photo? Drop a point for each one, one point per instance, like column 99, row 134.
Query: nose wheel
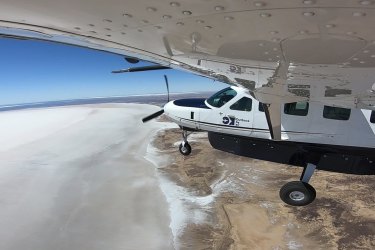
column 299, row 193
column 185, row 148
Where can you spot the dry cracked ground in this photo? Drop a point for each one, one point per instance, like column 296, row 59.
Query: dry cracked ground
column 247, row 212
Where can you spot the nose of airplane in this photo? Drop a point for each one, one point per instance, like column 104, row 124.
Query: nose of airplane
column 168, row 108
column 184, row 112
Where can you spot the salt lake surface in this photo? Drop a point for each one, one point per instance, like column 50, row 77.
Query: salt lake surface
column 76, row 177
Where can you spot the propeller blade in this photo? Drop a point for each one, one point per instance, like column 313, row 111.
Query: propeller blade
column 153, row 116
column 166, row 83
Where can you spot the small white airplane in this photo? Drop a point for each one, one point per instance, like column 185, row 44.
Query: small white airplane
column 313, row 135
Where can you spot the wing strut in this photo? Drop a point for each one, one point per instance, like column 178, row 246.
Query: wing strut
column 271, row 97
column 273, row 115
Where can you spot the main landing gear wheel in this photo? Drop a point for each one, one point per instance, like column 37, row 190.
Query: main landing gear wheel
column 297, row 193
column 185, row 148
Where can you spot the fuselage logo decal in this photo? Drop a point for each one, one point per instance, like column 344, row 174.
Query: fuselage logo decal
column 227, row 120
column 233, row 121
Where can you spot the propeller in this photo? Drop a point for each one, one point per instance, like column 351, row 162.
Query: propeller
column 167, row 84
column 160, row 112
column 153, row 116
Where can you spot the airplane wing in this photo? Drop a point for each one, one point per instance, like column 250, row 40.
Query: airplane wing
column 325, row 49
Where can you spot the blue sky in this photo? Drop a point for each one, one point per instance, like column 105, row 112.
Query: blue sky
column 33, row 71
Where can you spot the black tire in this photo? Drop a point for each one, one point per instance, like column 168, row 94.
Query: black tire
column 185, row 149
column 297, row 193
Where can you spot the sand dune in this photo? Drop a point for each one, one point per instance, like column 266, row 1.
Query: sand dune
column 246, row 211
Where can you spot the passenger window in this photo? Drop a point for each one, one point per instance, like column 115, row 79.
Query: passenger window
column 260, row 107
column 243, row 104
column 372, row 117
column 296, row 108
column 222, row 97
column 336, row 113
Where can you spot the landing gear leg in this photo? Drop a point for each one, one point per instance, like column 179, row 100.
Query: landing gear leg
column 185, row 147
column 299, row 193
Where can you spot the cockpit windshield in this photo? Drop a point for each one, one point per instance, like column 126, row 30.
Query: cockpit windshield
column 221, row 97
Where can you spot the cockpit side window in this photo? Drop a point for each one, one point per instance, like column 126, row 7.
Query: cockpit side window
column 221, row 97
column 243, row 104
column 260, row 107
column 372, row 117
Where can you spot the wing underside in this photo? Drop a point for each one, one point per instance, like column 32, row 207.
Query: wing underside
column 325, row 48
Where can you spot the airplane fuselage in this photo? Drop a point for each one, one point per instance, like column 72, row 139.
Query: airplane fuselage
column 243, row 115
